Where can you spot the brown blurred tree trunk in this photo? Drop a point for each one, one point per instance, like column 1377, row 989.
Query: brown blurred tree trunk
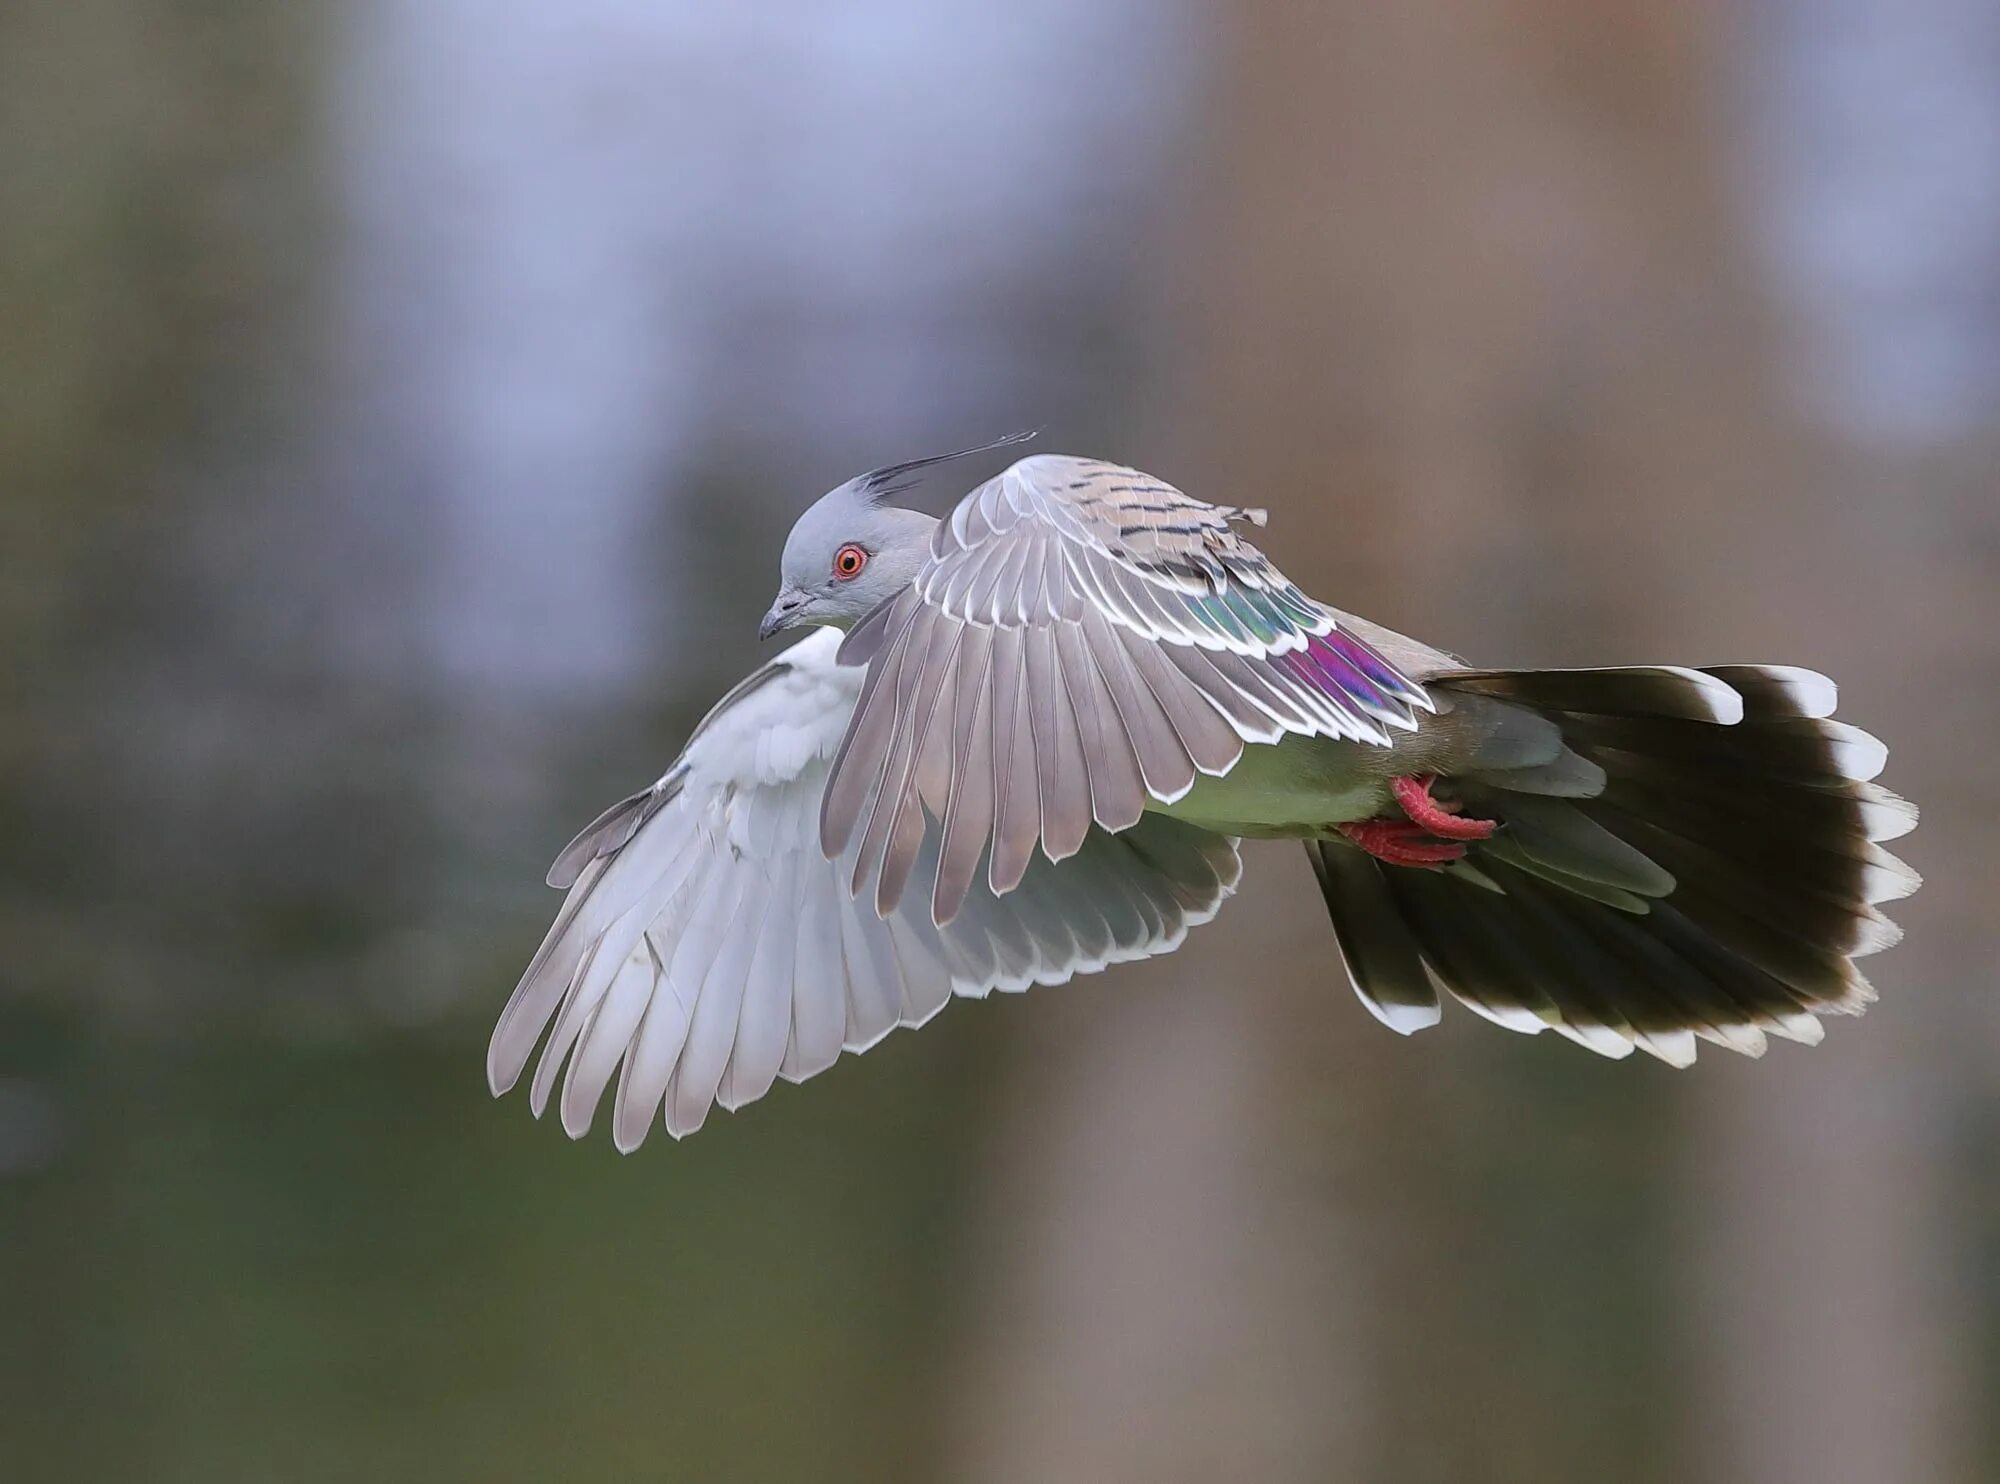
column 1456, row 293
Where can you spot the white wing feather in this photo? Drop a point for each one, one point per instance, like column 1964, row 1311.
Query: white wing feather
column 710, row 949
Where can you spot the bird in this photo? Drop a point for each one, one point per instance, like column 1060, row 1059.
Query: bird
column 1026, row 741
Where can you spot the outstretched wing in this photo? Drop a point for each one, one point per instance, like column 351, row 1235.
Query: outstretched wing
column 706, row 947
column 1082, row 639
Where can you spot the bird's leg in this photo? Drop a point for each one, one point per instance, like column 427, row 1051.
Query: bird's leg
column 1434, row 818
column 1432, row 835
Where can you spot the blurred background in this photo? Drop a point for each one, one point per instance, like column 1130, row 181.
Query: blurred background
column 402, row 404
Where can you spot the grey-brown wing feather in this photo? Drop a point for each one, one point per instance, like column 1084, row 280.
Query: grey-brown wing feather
column 1083, row 640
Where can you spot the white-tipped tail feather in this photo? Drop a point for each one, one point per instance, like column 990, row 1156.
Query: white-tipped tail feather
column 1683, row 855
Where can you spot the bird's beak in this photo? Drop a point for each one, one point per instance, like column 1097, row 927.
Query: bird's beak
column 790, row 601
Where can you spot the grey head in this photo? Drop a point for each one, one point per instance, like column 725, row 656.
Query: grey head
column 851, row 550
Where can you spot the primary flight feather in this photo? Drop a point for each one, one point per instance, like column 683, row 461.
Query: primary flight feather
column 1052, row 717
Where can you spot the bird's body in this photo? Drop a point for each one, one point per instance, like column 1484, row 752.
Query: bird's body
column 1050, row 720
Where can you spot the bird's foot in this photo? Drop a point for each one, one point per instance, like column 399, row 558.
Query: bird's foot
column 1435, row 817
column 1434, row 834
column 1397, row 842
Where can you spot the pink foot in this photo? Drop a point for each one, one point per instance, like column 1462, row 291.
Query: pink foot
column 1397, row 842
column 1442, row 820
column 1432, row 835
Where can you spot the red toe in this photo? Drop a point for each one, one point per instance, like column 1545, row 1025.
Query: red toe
column 1433, row 818
column 1397, row 842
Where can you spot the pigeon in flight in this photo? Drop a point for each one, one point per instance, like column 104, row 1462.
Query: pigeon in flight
column 1049, row 721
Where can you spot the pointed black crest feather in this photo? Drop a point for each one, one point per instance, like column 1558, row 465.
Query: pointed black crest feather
column 878, row 484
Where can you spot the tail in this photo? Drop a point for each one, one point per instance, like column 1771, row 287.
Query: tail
column 1683, row 854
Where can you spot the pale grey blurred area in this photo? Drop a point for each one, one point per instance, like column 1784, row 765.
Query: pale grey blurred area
column 402, row 406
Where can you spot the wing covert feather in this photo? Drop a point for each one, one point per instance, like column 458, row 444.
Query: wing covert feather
column 1154, row 642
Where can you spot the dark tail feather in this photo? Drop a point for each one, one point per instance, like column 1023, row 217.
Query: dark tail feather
column 1696, row 856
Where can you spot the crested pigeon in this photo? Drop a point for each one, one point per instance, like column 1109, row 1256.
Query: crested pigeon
column 1023, row 743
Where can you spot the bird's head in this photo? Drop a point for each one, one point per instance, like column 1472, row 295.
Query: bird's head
column 851, row 550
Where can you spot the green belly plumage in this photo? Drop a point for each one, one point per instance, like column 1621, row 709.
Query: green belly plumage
column 1297, row 787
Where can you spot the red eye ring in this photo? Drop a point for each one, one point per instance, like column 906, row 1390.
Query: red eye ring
column 848, row 562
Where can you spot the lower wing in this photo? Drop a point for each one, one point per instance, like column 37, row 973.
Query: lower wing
column 711, row 948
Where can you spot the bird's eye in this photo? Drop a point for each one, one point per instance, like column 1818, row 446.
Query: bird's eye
column 848, row 562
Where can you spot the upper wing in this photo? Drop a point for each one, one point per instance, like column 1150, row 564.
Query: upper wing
column 1082, row 638
column 706, row 946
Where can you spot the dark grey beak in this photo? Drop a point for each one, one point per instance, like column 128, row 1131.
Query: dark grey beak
column 782, row 612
